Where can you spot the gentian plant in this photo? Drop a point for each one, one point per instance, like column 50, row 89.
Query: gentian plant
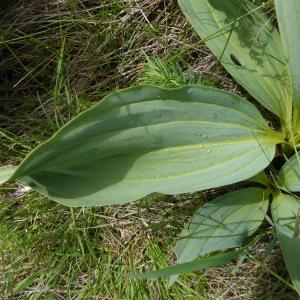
column 147, row 139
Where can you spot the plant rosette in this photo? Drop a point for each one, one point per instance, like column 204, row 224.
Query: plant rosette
column 147, row 139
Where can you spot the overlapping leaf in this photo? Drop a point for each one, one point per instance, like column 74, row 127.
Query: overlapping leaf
column 289, row 176
column 146, row 139
column 286, row 215
column 223, row 223
column 248, row 46
column 288, row 18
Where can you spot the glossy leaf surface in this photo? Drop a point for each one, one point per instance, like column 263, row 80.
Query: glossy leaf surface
column 146, row 139
column 248, row 46
column 286, row 215
column 223, row 223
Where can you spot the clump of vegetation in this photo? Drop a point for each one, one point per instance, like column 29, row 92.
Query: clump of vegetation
column 150, row 139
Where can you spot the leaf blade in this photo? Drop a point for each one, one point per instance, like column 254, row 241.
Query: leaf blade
column 195, row 265
column 6, row 173
column 248, row 46
column 223, row 223
column 288, row 18
column 147, row 139
column 285, row 211
column 289, row 175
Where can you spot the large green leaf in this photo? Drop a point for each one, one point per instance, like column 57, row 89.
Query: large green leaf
column 288, row 12
column 289, row 176
column 223, row 223
column 146, row 139
column 195, row 265
column 247, row 45
column 286, row 215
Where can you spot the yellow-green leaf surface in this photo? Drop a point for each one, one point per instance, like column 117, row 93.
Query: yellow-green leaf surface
column 286, row 215
column 248, row 46
column 6, row 173
column 288, row 12
column 289, row 175
column 223, row 223
column 146, row 139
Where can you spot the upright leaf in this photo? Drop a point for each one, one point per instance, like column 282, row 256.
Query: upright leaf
column 286, row 215
column 223, row 223
column 289, row 175
column 146, row 139
column 288, row 12
column 247, row 45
